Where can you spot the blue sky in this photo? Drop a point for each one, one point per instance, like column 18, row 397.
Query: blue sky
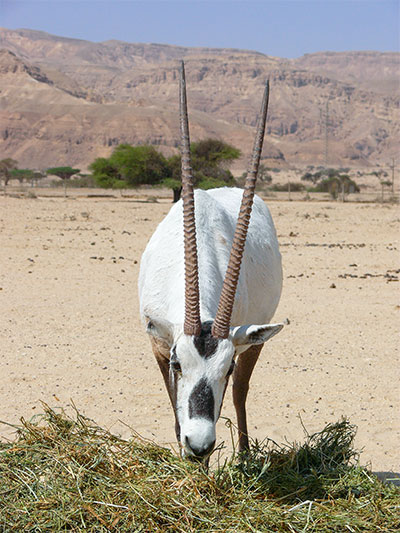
column 284, row 28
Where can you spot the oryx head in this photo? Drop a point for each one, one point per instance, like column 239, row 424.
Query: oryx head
column 202, row 356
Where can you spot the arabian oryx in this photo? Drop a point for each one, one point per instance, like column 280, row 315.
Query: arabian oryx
column 208, row 288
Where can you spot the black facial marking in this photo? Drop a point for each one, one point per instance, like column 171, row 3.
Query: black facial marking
column 174, row 364
column 201, row 401
column 176, row 367
column 205, row 343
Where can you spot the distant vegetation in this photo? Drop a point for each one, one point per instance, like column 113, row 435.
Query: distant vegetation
column 384, row 181
column 263, row 176
column 65, row 173
column 134, row 166
column 333, row 181
column 6, row 166
column 292, row 186
column 131, row 166
column 26, row 174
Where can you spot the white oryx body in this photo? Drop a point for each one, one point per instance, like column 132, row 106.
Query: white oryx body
column 162, row 276
column 162, row 303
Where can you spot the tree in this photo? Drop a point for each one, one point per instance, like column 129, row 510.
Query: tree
column 37, row 175
column 210, row 161
column 130, row 166
column 339, row 184
column 106, row 174
column 313, row 177
column 175, row 185
column 22, row 174
column 214, row 152
column 139, row 165
column 263, row 173
column 64, row 173
column 6, row 165
column 174, row 181
column 381, row 175
column 321, row 174
column 333, row 181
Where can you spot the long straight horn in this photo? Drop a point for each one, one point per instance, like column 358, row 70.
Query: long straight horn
column 192, row 323
column 220, row 328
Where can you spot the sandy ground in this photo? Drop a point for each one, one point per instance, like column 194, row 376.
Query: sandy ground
column 70, row 326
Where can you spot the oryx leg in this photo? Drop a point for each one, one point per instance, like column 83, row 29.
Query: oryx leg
column 241, row 377
column 161, row 353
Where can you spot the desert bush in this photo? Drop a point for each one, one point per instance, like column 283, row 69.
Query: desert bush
column 144, row 165
column 6, row 166
column 284, row 187
column 83, row 181
column 337, row 184
column 65, row 173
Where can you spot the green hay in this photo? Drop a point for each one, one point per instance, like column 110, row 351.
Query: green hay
column 64, row 474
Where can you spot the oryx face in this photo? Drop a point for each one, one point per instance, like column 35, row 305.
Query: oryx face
column 200, row 367
column 199, row 370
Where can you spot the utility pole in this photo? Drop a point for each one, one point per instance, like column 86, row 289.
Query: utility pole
column 326, row 132
column 324, row 123
column 392, row 167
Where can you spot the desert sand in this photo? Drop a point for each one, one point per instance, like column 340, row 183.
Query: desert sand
column 71, row 331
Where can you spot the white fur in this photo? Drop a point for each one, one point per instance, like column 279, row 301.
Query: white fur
column 161, row 278
column 161, row 291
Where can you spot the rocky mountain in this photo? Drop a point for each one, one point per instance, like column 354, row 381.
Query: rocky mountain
column 67, row 101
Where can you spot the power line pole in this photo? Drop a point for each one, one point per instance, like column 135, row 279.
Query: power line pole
column 324, row 122
column 326, row 132
column 392, row 167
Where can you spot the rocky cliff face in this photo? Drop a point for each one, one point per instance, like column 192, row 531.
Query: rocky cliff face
column 67, row 101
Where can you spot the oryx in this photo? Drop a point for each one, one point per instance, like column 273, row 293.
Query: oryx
column 210, row 281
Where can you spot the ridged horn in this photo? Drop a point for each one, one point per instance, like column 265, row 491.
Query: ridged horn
column 192, row 323
column 220, row 328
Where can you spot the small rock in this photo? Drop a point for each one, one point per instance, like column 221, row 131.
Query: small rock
column 333, row 286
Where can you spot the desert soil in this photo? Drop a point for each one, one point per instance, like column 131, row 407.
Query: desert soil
column 71, row 331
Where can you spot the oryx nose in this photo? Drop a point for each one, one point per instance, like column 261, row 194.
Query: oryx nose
column 200, row 451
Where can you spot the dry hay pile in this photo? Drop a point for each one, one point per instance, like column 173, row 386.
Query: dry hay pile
column 64, row 474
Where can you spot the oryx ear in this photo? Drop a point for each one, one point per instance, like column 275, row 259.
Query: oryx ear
column 254, row 334
column 161, row 330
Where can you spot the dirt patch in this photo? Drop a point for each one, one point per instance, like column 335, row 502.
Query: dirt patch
column 70, row 326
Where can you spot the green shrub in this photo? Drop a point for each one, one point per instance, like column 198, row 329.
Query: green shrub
column 335, row 185
column 85, row 181
column 284, row 187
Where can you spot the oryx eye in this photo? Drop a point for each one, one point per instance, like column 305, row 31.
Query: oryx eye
column 231, row 369
column 176, row 367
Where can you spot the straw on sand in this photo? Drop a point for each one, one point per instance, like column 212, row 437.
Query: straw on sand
column 65, row 473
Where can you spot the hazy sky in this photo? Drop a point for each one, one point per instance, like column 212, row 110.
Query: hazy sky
column 285, row 28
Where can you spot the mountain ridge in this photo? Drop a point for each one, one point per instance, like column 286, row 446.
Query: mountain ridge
column 127, row 92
